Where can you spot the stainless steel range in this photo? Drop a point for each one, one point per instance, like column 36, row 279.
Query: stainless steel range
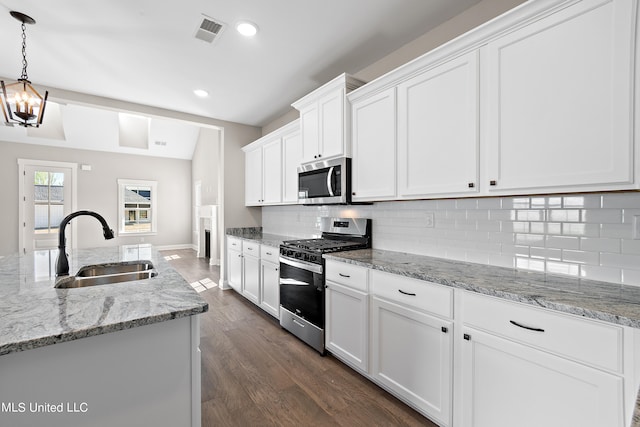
column 302, row 275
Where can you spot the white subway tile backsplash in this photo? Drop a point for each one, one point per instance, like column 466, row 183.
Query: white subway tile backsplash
column 620, row 260
column 602, row 216
column 621, row 200
column 600, row 244
column 581, row 235
column 562, row 242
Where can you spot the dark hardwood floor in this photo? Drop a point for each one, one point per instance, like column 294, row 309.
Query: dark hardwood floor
column 255, row 373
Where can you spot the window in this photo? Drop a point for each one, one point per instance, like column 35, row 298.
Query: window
column 137, row 201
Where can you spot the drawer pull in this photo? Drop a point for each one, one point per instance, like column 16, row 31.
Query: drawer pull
column 250, row 249
column 268, row 253
column 513, row 322
column 406, row 293
column 467, row 337
column 343, row 275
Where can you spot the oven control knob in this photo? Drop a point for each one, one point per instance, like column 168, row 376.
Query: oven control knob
column 313, row 258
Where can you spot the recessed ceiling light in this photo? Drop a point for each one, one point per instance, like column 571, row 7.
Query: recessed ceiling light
column 201, row 93
column 247, row 28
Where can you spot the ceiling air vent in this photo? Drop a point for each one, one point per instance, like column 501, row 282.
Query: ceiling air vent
column 209, row 29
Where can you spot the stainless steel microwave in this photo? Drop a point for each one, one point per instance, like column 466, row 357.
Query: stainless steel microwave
column 325, row 182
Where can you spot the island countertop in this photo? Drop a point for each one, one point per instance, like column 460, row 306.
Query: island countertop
column 35, row 314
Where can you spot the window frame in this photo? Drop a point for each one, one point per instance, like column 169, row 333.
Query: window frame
column 153, row 210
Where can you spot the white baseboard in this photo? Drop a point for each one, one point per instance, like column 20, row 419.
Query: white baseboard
column 175, row 247
column 224, row 285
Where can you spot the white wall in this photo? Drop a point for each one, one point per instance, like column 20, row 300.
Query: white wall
column 98, row 191
column 580, row 235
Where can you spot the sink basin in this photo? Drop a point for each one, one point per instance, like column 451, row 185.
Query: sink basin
column 101, row 274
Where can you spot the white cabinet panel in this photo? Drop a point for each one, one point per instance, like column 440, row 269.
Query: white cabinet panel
column 559, row 101
column 310, row 133
column 270, row 287
column 347, row 325
column 438, row 130
column 507, row 384
column 234, row 263
column 253, row 177
column 291, row 159
column 412, row 356
column 374, row 147
column 272, row 172
column 332, row 124
column 251, row 278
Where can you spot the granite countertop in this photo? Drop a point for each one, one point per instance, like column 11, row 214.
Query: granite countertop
column 609, row 302
column 255, row 234
column 35, row 314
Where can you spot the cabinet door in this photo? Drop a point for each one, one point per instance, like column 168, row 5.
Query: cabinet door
column 253, row 177
column 507, row 384
column 251, row 278
column 332, row 123
column 270, row 282
column 374, row 147
column 438, row 132
column 310, row 133
column 234, row 263
column 412, row 356
column 292, row 157
column 346, row 325
column 272, row 172
column 559, row 101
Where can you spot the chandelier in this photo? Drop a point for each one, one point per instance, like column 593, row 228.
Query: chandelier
column 21, row 102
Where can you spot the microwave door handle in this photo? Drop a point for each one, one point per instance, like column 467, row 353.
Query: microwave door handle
column 330, row 181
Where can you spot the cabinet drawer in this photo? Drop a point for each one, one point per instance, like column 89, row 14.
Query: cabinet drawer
column 349, row 275
column 583, row 340
column 234, row 243
column 426, row 296
column 251, row 248
column 270, row 254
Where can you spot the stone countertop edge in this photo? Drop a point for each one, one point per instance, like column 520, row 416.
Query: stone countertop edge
column 35, row 314
column 609, row 302
column 255, row 234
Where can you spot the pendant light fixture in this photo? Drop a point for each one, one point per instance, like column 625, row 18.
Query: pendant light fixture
column 21, row 102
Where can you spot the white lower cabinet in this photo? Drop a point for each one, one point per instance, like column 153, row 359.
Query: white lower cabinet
column 234, row 263
column 530, row 367
column 347, row 315
column 254, row 272
column 270, row 280
column 412, row 357
column 507, row 384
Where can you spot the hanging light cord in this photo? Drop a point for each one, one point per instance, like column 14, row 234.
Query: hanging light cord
column 24, row 54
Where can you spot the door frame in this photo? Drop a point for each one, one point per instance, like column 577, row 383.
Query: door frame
column 22, row 163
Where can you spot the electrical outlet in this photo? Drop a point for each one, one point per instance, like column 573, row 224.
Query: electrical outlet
column 429, row 220
column 636, row 227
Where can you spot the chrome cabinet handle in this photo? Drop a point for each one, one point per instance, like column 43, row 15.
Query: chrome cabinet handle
column 531, row 328
column 406, row 293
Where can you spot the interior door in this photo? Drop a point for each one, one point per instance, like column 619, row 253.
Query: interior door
column 47, row 200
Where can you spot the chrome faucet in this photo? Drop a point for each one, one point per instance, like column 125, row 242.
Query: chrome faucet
column 62, row 264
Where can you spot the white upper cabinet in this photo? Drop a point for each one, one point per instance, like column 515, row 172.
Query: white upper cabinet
column 373, row 174
column 253, row 176
column 324, row 120
column 271, row 162
column 559, row 102
column 272, row 172
column 438, row 132
column 291, row 159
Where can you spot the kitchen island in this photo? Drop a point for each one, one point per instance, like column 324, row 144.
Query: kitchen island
column 114, row 354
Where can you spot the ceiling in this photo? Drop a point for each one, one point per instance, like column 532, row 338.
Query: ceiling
column 145, row 51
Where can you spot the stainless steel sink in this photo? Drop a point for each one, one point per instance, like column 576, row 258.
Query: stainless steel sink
column 101, row 274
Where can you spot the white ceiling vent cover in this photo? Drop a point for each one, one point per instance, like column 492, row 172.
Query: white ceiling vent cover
column 209, row 29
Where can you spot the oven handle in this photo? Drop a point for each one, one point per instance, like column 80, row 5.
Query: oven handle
column 304, row 265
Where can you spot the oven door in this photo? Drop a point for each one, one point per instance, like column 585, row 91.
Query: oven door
column 302, row 289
